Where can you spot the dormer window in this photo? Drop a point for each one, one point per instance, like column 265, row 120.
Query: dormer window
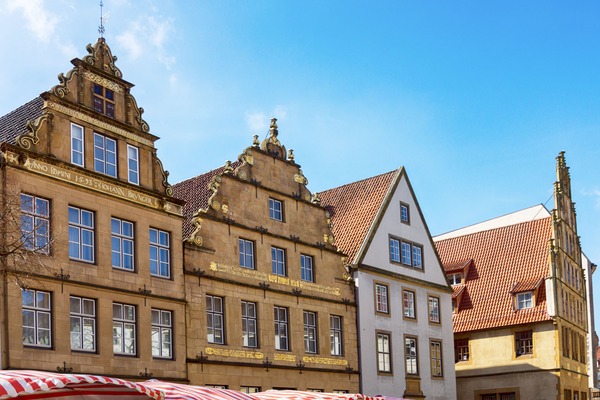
column 455, row 279
column 104, row 101
column 524, row 300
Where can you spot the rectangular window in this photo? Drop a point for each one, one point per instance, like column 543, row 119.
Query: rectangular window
column 417, row 254
column 409, row 303
column 434, row 309
column 278, row 261
column 133, row 165
column 124, row 335
column 162, row 333
column 306, row 268
column 406, row 254
column 384, row 354
column 35, row 223
column 411, row 355
column 310, row 332
column 455, row 279
column 461, row 350
column 37, row 318
column 77, row 155
column 435, row 353
column 81, row 234
column 381, row 298
column 275, row 209
column 524, row 300
column 215, row 320
column 394, row 250
column 249, row 324
column 160, row 258
column 404, row 213
column 336, row 335
column 105, row 155
column 281, row 328
column 249, row 389
column 246, row 250
column 104, row 101
column 83, row 324
column 524, row 343
column 122, row 244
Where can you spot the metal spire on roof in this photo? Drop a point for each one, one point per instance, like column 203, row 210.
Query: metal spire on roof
column 103, row 20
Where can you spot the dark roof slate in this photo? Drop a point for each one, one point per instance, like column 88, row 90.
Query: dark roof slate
column 15, row 122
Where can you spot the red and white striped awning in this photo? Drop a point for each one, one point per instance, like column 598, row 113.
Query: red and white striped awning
column 29, row 384
column 176, row 391
column 299, row 395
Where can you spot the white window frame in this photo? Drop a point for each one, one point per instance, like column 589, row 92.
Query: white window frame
column 336, row 335
column 77, row 136
column 434, row 309
column 411, row 345
column 275, row 209
column 133, row 164
column 160, row 253
column 307, row 271
column 524, row 300
column 435, row 356
column 381, row 298
column 281, row 319
column 36, row 318
column 311, row 333
column 81, row 234
column 404, row 216
column 124, row 329
column 35, row 223
column 162, row 333
column 278, row 266
column 102, row 164
column 455, row 279
column 246, row 252
column 384, row 353
column 406, row 253
column 215, row 317
column 83, row 315
column 394, row 250
column 417, row 256
column 249, row 324
column 122, row 244
column 409, row 304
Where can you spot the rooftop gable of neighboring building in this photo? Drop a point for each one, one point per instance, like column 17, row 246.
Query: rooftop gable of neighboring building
column 507, row 260
column 15, row 122
column 353, row 209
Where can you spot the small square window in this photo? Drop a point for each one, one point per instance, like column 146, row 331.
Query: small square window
column 404, row 213
column 275, row 209
column 455, row 279
column 524, row 300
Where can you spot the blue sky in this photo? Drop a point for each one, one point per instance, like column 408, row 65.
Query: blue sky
column 475, row 99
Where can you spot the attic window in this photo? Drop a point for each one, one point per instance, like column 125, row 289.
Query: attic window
column 524, row 300
column 455, row 279
column 104, row 101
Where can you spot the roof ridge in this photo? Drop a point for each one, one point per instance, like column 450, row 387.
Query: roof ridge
column 360, row 180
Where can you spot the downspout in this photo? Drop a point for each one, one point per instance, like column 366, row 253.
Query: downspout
column 4, row 356
column 354, row 270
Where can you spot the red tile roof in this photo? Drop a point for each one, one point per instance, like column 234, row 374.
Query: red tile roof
column 505, row 256
column 196, row 193
column 353, row 208
column 457, row 266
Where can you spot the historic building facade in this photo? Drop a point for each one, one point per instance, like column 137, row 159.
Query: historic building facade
column 405, row 329
column 270, row 304
column 94, row 268
column 520, row 303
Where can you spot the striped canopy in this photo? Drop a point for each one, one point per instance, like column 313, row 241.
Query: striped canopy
column 175, row 391
column 299, row 395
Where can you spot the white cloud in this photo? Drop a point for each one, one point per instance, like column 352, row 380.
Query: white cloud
column 148, row 34
column 128, row 40
column 280, row 112
column 257, row 122
column 39, row 20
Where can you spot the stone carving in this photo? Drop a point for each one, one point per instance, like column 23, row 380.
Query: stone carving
column 61, row 90
column 143, row 124
column 271, row 144
column 300, row 178
column 227, row 168
column 102, row 82
column 291, row 155
column 165, row 174
column 245, row 158
column 25, row 140
column 101, row 52
column 195, row 238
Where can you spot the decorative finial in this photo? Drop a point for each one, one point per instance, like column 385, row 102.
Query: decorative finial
column 255, row 142
column 291, row 155
column 101, row 27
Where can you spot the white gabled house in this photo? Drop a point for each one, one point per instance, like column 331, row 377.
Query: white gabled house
column 404, row 299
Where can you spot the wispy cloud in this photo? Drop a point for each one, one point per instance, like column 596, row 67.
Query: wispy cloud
column 594, row 193
column 148, row 33
column 257, row 122
column 38, row 20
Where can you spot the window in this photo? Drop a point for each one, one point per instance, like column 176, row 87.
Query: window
column 133, row 165
column 37, row 318
column 411, row 356
column 381, row 298
column 105, row 155
column 524, row 342
column 217, row 386
column 409, row 303
column 404, row 213
column 281, row 328
column 275, row 209
column 246, row 249
column 500, row 396
column 215, row 320
column 306, row 268
column 77, row 147
column 435, row 354
column 124, row 341
column 417, row 256
column 455, row 279
column 411, row 254
column 310, row 332
column 524, row 300
column 249, row 324
column 159, row 253
column 35, row 223
column 122, row 244
column 249, row 389
column 434, row 309
column 461, row 350
column 384, row 354
column 104, row 101
column 162, row 333
column 394, row 250
column 340, row 391
column 83, row 324
column 336, row 335
column 278, row 261
column 406, row 254
column 81, row 234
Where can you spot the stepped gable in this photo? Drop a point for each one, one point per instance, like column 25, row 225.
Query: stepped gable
column 506, row 259
column 353, row 208
column 15, row 122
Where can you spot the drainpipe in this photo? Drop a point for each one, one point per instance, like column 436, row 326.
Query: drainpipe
column 3, row 319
